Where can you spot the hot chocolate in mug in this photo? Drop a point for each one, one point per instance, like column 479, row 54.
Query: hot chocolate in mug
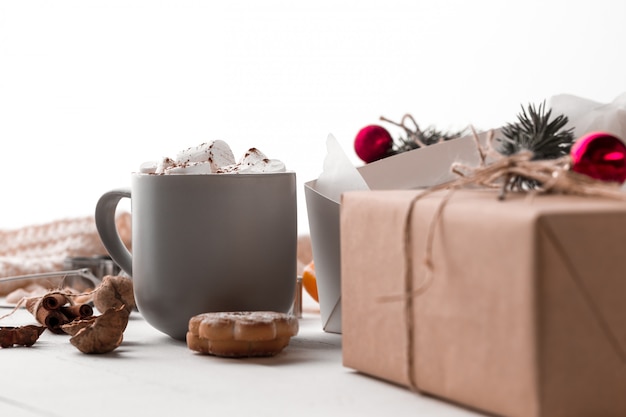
column 205, row 242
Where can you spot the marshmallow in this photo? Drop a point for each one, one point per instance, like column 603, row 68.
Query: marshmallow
column 164, row 164
column 252, row 157
column 262, row 166
column 216, row 153
column 148, row 167
column 254, row 161
column 191, row 168
column 211, row 158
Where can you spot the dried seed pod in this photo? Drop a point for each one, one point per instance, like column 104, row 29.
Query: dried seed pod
column 104, row 333
column 75, row 326
column 22, row 336
column 113, row 292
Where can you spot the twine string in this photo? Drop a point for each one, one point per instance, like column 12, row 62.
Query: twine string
column 413, row 134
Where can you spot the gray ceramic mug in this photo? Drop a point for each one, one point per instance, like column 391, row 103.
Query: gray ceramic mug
column 201, row 243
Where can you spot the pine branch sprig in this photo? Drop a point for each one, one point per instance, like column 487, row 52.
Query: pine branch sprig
column 537, row 132
column 416, row 137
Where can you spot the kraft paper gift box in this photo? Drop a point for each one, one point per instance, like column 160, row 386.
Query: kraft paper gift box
column 523, row 313
column 419, row 168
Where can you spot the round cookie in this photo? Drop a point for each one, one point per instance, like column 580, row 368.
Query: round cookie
column 241, row 333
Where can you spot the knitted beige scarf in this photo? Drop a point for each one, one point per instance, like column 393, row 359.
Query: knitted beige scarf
column 44, row 247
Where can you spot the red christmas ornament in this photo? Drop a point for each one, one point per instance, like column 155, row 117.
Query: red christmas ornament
column 372, row 143
column 601, row 156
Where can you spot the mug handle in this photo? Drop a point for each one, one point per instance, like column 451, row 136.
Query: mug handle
column 105, row 224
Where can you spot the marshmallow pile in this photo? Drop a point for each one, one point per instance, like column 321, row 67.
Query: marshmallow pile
column 214, row 157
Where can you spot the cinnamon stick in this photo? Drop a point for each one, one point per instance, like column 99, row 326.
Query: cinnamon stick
column 54, row 301
column 51, row 311
column 78, row 311
column 52, row 319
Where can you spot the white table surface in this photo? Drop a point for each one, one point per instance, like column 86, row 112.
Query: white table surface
column 152, row 374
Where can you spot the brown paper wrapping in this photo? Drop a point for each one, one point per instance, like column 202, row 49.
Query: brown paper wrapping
column 525, row 313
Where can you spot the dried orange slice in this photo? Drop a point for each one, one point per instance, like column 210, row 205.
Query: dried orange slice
column 309, row 280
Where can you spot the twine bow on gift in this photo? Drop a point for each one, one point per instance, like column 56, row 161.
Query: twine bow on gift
column 504, row 172
column 548, row 175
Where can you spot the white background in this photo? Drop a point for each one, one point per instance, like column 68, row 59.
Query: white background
column 90, row 90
